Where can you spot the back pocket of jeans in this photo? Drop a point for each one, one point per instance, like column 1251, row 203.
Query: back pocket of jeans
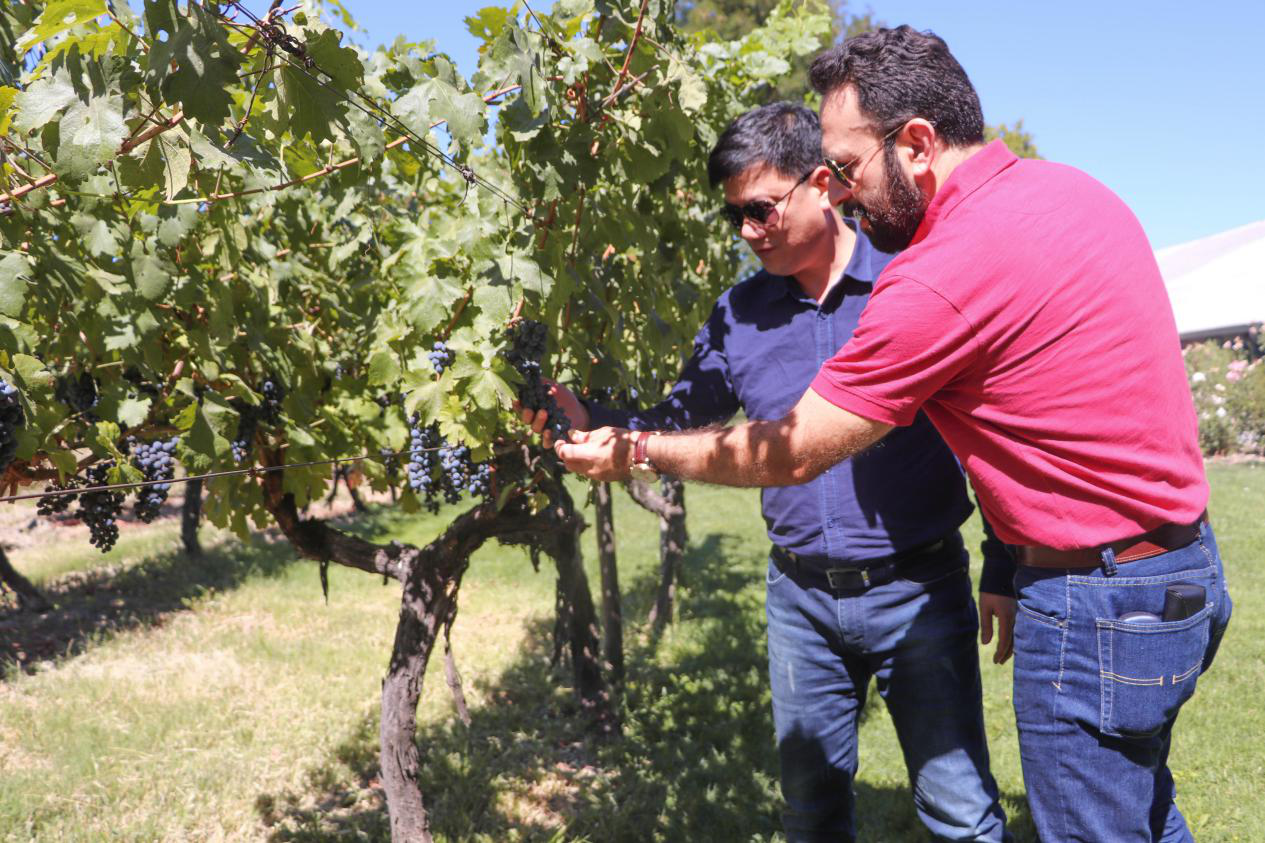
column 1147, row 670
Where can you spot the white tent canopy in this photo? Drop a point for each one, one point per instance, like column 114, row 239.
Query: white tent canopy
column 1217, row 284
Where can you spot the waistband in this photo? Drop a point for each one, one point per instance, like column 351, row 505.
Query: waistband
column 860, row 575
column 1161, row 539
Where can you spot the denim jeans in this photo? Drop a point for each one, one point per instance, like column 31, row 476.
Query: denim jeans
column 1096, row 697
column 918, row 639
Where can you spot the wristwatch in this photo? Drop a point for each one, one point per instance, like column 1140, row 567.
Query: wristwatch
column 642, row 468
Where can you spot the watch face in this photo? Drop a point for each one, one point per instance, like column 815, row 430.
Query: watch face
column 644, row 473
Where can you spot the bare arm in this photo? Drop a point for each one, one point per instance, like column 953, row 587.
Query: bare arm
column 794, row 449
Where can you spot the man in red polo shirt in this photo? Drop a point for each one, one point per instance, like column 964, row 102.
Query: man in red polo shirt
column 1028, row 319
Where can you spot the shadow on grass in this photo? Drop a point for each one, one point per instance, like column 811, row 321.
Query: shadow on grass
column 695, row 762
column 95, row 604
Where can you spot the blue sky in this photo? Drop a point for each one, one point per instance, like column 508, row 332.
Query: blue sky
column 1162, row 101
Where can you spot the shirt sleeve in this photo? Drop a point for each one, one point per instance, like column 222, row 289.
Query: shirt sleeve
column 703, row 394
column 998, row 574
column 909, row 343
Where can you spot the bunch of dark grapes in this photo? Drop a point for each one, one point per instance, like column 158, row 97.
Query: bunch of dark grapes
column 79, row 394
column 11, row 418
column 527, row 348
column 156, row 461
column 423, row 442
column 57, row 504
column 274, row 393
column 454, row 464
column 480, row 482
column 390, row 462
column 250, row 415
column 100, row 510
column 440, row 357
column 247, row 423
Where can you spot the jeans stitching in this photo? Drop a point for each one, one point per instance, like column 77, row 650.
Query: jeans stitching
column 1037, row 616
column 1106, row 694
column 1065, row 631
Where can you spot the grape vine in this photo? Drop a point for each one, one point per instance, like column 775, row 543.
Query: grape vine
column 100, row 510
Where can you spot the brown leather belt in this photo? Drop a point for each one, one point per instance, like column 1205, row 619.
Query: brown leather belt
column 1162, row 539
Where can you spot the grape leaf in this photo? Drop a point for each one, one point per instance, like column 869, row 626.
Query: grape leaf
column 13, row 271
column 338, row 62
column 59, row 16
column 191, row 59
column 44, row 100
column 91, row 134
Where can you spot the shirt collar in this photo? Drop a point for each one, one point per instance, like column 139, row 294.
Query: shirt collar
column 864, row 266
column 966, row 178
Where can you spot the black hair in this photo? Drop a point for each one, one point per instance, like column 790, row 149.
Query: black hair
column 783, row 135
column 899, row 74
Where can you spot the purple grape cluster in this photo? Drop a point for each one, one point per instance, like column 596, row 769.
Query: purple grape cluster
column 454, row 464
column 156, row 461
column 100, row 510
column 441, row 357
column 11, row 419
column 423, row 442
column 436, row 468
column 57, row 504
column 527, row 349
column 79, row 394
column 250, row 415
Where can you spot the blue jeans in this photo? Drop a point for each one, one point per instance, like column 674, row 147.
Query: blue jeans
column 918, row 639
column 1096, row 698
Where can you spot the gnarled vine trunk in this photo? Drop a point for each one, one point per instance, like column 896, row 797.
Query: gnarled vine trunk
column 431, row 577
column 29, row 597
column 190, row 516
column 612, row 612
column 669, row 505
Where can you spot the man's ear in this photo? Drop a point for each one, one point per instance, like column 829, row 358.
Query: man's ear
column 823, row 182
column 919, row 141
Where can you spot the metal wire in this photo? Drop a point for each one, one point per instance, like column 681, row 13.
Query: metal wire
column 253, row 471
column 378, row 113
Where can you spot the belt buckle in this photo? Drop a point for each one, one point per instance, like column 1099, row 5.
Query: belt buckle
column 830, row 577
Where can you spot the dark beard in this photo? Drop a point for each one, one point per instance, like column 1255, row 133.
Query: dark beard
column 894, row 220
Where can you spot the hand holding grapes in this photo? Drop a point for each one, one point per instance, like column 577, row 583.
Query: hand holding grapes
column 570, row 406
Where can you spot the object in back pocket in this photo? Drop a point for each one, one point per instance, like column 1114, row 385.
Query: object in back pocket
column 1182, row 600
column 1140, row 617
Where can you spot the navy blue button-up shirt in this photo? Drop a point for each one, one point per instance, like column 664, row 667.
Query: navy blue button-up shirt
column 758, row 352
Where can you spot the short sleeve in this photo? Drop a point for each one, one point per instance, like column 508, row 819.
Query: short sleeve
column 909, row 343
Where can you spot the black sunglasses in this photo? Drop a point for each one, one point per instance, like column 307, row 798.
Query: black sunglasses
column 761, row 212
column 843, row 172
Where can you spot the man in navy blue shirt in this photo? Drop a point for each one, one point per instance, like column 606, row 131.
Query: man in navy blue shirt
column 868, row 574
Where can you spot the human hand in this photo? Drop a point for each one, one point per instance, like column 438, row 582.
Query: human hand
column 602, row 454
column 1003, row 609
column 567, row 402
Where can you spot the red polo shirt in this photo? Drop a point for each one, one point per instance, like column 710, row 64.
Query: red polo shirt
column 1029, row 320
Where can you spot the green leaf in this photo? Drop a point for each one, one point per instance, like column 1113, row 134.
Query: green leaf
column 176, row 162
column 191, row 59
column 152, row 276
column 59, row 16
column 44, row 100
column 308, row 108
column 91, row 134
column 430, row 300
column 464, row 113
column 7, row 98
column 32, row 371
column 340, row 63
column 65, row 461
column 14, row 270
column 383, row 368
column 133, row 411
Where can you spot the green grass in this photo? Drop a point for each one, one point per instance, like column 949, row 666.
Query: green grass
column 225, row 700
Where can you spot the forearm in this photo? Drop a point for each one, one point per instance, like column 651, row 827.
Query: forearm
column 785, row 452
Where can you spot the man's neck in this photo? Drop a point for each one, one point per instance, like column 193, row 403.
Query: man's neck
column 817, row 280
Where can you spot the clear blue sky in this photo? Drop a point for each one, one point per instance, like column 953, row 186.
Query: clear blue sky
column 1162, row 101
